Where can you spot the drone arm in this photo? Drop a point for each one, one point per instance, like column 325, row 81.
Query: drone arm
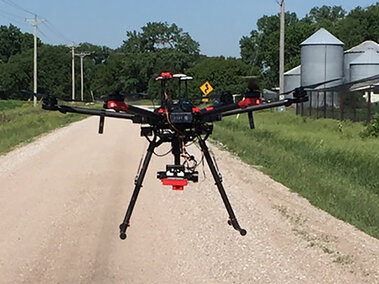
column 122, row 106
column 213, row 111
column 96, row 112
column 286, row 102
column 143, row 112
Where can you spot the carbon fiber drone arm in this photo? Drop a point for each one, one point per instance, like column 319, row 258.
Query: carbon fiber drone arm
column 213, row 113
column 300, row 95
column 95, row 112
column 286, row 102
column 123, row 110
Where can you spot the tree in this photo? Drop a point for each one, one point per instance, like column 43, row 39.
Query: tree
column 108, row 78
column 98, row 54
column 13, row 41
column 17, row 74
column 158, row 35
column 359, row 25
column 158, row 47
column 224, row 74
column 326, row 16
column 261, row 49
column 54, row 71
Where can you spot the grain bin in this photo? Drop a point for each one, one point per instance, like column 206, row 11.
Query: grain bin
column 292, row 79
column 322, row 58
column 353, row 53
column 365, row 65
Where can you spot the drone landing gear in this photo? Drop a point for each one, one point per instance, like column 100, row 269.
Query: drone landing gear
column 138, row 184
column 232, row 218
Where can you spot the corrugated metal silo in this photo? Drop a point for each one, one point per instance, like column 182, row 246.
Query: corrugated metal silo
column 292, row 79
column 364, row 66
column 321, row 60
column 353, row 53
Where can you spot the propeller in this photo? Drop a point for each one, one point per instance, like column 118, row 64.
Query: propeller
column 361, row 83
column 122, row 96
column 301, row 91
column 49, row 102
column 299, row 94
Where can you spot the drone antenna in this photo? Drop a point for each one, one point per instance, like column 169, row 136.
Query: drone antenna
column 186, row 79
column 163, row 77
column 179, row 76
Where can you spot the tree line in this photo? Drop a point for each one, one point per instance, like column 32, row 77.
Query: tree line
column 160, row 46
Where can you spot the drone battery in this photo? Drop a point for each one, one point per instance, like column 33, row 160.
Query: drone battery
column 181, row 117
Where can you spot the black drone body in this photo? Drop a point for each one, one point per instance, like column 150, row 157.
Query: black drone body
column 177, row 124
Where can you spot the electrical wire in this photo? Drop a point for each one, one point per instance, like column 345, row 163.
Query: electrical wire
column 14, row 5
column 19, row 20
column 12, row 15
column 12, row 20
column 46, row 37
column 53, row 29
column 162, row 155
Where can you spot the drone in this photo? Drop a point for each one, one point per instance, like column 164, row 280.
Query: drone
column 178, row 123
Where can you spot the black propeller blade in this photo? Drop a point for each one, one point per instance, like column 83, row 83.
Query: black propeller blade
column 49, row 102
column 122, row 96
column 299, row 90
column 39, row 96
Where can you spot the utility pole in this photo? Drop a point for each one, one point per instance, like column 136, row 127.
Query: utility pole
column 35, row 21
column 281, row 48
column 73, row 46
column 82, row 55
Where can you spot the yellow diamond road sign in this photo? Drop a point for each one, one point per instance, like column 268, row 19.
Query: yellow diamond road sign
column 206, row 88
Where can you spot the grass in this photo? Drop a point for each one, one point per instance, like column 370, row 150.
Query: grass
column 20, row 123
column 10, row 104
column 324, row 160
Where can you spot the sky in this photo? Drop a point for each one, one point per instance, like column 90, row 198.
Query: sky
column 217, row 25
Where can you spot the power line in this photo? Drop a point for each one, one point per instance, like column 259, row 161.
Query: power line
column 45, row 36
column 12, row 20
column 56, row 32
column 16, row 18
column 11, row 15
column 14, row 5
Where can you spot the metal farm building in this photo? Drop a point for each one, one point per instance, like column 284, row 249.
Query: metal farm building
column 355, row 73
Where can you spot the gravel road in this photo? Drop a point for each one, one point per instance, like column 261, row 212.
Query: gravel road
column 63, row 196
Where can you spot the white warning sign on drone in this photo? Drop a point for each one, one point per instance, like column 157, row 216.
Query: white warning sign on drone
column 206, row 88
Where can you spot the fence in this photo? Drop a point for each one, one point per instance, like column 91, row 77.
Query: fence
column 355, row 106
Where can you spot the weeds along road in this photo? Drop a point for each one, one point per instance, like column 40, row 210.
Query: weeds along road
column 63, row 197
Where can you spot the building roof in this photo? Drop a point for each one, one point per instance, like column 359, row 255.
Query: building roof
column 364, row 46
column 293, row 71
column 322, row 36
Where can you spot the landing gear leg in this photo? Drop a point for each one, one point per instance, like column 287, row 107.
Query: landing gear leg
column 138, row 184
column 232, row 218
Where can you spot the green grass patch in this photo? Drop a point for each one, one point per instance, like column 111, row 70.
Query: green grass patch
column 20, row 123
column 11, row 104
column 324, row 160
column 143, row 102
